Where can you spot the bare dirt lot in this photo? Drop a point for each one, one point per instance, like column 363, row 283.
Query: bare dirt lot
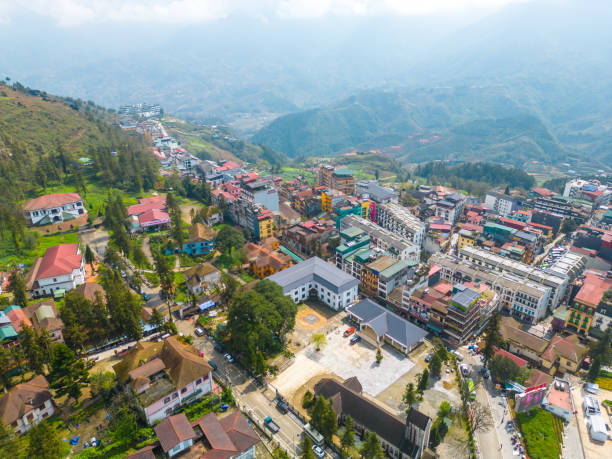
column 312, row 317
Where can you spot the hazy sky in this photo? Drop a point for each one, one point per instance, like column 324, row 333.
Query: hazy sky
column 76, row 12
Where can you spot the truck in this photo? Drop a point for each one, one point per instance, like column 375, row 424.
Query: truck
column 271, row 425
column 470, row 384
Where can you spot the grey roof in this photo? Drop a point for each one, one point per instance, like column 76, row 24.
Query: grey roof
column 464, row 296
column 314, row 269
column 385, row 322
column 375, row 191
column 526, row 236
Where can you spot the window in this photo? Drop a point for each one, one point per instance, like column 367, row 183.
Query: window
column 168, row 411
column 166, row 400
column 198, row 382
column 175, row 395
column 183, row 390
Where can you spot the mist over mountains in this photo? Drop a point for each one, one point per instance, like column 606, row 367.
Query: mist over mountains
column 527, row 81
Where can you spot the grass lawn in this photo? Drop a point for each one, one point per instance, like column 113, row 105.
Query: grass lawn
column 10, row 255
column 541, row 433
column 604, row 382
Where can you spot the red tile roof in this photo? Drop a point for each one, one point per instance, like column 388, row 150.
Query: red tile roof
column 141, row 208
column 18, row 319
column 174, row 430
column 153, row 215
column 59, row 260
column 52, row 200
column 593, row 288
column 515, row 358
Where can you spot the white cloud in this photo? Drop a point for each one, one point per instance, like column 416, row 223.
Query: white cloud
column 75, row 12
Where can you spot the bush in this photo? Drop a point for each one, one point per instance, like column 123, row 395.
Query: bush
column 308, row 400
column 541, row 438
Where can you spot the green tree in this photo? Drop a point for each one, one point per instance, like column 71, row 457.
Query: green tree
column 410, row 396
column 261, row 367
column 68, row 374
column 45, row 442
column 102, row 383
column 504, row 369
column 601, row 348
column 435, row 365
column 493, row 338
column 229, row 237
column 125, row 419
column 18, row 288
column 140, row 259
column 306, row 448
column 347, row 440
column 594, row 369
column 317, row 416
column 370, row 447
column 329, row 422
column 379, row 356
column 319, row 340
column 230, row 286
column 89, row 256
column 6, row 362
column 423, row 381
column 157, row 319
column 9, row 441
column 33, row 352
column 568, row 226
column 166, row 276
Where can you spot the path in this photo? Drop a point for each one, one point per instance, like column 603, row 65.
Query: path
column 146, row 248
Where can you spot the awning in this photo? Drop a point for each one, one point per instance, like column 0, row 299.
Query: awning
column 206, row 305
column 433, row 327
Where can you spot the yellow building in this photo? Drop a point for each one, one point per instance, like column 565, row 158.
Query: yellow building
column 580, row 314
column 466, row 238
column 563, row 355
column 265, row 224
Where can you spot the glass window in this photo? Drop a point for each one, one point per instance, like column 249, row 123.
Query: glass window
column 167, row 400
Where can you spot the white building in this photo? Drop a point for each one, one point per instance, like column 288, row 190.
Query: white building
column 61, row 268
column 316, row 277
column 450, row 208
column 401, row 221
column 26, row 404
column 54, row 208
column 500, row 203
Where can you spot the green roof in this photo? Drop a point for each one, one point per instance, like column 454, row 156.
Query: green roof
column 344, row 171
column 7, row 332
column 11, row 307
column 364, row 255
column 351, row 232
column 501, row 228
column 395, row 268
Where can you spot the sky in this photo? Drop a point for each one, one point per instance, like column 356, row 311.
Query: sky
column 69, row 13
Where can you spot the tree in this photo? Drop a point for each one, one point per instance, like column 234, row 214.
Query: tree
column 493, row 337
column 102, row 383
column 410, row 396
column 45, row 442
column 348, row 436
column 229, row 237
column 230, row 286
column 504, row 369
column 9, row 442
column 306, row 448
column 140, row 259
column 323, row 418
column 370, row 447
column 379, row 356
column 444, row 409
column 125, row 418
column 481, row 419
column 33, row 352
column 435, row 365
column 319, row 340
column 423, row 381
column 165, row 274
column 6, row 362
column 568, row 226
column 89, row 256
column 68, row 374
column 601, row 348
column 157, row 319
column 594, row 369
column 507, row 190
column 261, row 367
column 18, row 288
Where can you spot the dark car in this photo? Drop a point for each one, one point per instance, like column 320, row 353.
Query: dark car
column 219, row 348
column 429, row 357
column 355, row 339
column 213, row 365
column 282, row 406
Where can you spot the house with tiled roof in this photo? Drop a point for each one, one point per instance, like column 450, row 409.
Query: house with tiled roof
column 45, row 316
column 148, row 215
column 521, row 342
column 399, row 439
column 91, row 291
column 521, row 363
column 164, row 376
column 263, row 260
column 563, row 355
column 175, row 434
column 202, row 239
column 54, row 208
column 202, row 278
column 61, row 268
column 26, row 404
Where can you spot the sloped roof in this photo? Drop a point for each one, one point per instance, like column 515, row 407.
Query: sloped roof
column 199, row 231
column 18, row 318
column 152, row 215
column 52, row 200
column 567, row 348
column 59, row 260
column 173, row 430
column 89, row 290
column 23, row 398
column 509, row 330
column 201, row 270
column 184, row 365
column 516, row 359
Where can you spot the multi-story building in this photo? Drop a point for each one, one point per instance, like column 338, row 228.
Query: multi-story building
column 253, row 216
column 264, row 260
column 463, row 314
column 381, row 238
column 557, row 282
column 26, row 404
column 61, row 268
column 450, row 208
column 337, row 178
column 501, row 203
column 523, row 298
column 305, row 236
column 54, row 208
column 262, row 192
column 201, row 240
column 467, row 238
column 401, row 222
column 587, row 300
column 331, row 199
column 163, row 376
column 317, row 278
column 384, row 273
column 560, row 206
column 370, row 189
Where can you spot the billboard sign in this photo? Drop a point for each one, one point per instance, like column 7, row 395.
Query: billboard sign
column 531, row 398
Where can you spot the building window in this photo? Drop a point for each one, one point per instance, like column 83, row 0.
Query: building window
column 198, row 382
column 183, row 390
column 166, row 400
column 175, row 395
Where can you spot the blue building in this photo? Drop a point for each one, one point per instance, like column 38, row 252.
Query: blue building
column 201, row 240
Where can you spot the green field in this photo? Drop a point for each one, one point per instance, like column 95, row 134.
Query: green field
column 542, row 433
column 10, row 256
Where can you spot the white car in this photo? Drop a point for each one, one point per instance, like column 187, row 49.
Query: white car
column 318, row 451
column 229, row 358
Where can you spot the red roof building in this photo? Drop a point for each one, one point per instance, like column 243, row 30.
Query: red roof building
column 49, row 201
column 521, row 363
column 60, row 268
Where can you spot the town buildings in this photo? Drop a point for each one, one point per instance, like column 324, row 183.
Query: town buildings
column 502, row 204
column 400, row 221
column 163, row 376
column 399, row 439
column 61, row 268
column 370, row 189
column 26, row 404
column 265, row 259
column 586, row 302
column 316, row 277
column 307, row 236
column 148, row 215
column 201, row 240
column 54, row 208
column 336, row 178
column 44, row 315
column 202, row 278
column 450, row 208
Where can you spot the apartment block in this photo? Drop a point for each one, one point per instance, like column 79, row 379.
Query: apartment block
column 401, row 222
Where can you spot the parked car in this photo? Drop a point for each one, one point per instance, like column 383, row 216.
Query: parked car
column 429, row 357
column 146, row 297
column 213, row 365
column 229, row 358
column 349, row 331
column 282, row 406
column 355, row 339
column 318, row 451
column 198, row 331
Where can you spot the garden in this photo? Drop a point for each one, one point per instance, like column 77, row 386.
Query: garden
column 543, row 433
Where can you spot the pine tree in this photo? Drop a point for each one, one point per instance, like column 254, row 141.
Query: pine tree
column 18, row 288
column 89, row 257
column 493, row 338
column 45, row 442
column 306, row 448
column 410, row 397
column 348, row 436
